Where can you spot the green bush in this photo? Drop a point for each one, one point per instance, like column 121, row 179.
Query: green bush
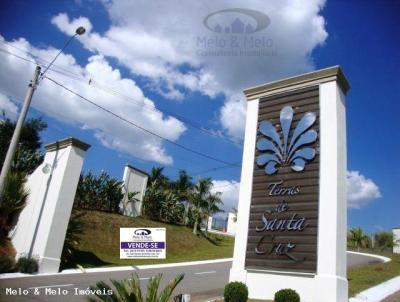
column 28, row 155
column 27, row 265
column 12, row 201
column 72, row 238
column 130, row 290
column 98, row 192
column 7, row 264
column 287, row 295
column 236, row 292
column 384, row 240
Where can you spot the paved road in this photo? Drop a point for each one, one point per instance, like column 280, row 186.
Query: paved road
column 393, row 298
column 201, row 281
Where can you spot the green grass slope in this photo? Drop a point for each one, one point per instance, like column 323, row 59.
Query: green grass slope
column 99, row 243
column 363, row 277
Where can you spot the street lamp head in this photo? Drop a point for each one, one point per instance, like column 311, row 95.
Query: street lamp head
column 80, row 30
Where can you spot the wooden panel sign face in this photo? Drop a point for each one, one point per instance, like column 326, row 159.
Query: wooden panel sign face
column 283, row 220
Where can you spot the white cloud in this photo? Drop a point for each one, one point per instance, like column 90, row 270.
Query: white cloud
column 360, row 190
column 63, row 21
column 62, row 105
column 167, row 49
column 7, row 107
column 230, row 192
column 233, row 116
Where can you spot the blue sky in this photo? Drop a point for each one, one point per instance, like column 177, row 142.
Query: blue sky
column 150, row 68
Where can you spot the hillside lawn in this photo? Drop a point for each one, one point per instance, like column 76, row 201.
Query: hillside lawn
column 99, row 243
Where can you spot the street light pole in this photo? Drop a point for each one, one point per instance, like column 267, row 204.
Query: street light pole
column 15, row 138
column 31, row 89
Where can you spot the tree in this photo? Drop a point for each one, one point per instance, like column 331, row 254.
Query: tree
column 28, row 156
column 183, row 186
column 151, row 200
column 72, row 237
column 99, row 192
column 384, row 240
column 212, row 203
column 12, row 201
column 357, row 236
column 130, row 290
column 171, row 209
column 198, row 200
column 157, row 175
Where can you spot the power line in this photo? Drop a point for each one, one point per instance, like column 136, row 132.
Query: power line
column 214, row 169
column 91, row 82
column 95, row 144
column 227, row 185
column 38, row 58
column 140, row 127
column 230, row 165
column 179, row 169
column 17, row 56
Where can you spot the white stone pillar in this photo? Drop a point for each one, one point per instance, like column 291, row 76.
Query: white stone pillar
column 42, row 224
column 332, row 220
column 209, row 223
column 231, row 225
column 238, row 272
column 396, row 238
column 135, row 180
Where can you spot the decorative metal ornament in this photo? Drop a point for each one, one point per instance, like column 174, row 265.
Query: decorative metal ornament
column 46, row 168
column 285, row 148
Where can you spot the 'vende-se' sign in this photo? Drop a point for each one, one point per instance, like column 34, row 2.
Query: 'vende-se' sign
column 142, row 243
column 284, row 206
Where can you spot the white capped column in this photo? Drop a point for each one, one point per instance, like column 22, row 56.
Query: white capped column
column 42, row 224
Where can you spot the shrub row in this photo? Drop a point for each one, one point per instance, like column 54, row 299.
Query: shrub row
column 238, row 292
column 23, row 265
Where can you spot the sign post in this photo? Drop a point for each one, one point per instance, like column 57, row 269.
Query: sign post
column 292, row 221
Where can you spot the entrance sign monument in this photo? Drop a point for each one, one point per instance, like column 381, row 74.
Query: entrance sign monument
column 292, row 220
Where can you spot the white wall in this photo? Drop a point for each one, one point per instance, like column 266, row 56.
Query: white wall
column 396, row 237
column 134, row 181
column 209, row 223
column 231, row 226
column 42, row 224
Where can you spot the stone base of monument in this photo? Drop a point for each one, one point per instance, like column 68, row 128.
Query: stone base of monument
column 264, row 284
column 49, row 265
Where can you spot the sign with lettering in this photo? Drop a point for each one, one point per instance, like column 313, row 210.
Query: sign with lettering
column 283, row 220
column 142, row 243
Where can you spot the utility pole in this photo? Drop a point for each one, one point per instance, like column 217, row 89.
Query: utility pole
column 31, row 89
column 15, row 138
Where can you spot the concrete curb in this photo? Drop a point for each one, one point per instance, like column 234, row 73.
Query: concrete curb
column 382, row 258
column 379, row 292
column 115, row 268
column 215, row 299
